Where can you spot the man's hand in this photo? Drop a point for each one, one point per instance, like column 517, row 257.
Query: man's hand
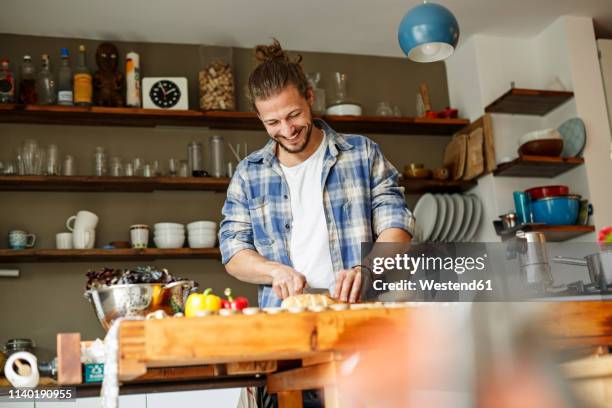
column 348, row 285
column 286, row 281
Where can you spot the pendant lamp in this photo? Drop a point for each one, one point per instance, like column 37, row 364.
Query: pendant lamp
column 429, row 32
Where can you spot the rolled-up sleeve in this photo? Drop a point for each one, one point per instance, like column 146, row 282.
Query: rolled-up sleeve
column 235, row 232
column 389, row 209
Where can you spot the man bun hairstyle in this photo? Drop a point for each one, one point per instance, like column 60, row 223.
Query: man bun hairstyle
column 275, row 71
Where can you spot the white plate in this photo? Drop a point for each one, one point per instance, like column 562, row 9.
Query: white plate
column 457, row 219
column 426, row 213
column 448, row 220
column 475, row 222
column 441, row 216
column 467, row 218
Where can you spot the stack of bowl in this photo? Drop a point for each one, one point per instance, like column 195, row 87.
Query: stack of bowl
column 545, row 142
column 202, row 234
column 554, row 205
column 169, row 235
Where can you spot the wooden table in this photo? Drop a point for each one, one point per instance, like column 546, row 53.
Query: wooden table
column 260, row 345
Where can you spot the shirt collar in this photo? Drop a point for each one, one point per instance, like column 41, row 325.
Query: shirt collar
column 337, row 142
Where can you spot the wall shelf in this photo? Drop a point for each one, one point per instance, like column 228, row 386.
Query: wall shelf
column 553, row 233
column 522, row 101
column 150, row 184
column 134, row 117
column 111, row 184
column 537, row 166
column 96, row 254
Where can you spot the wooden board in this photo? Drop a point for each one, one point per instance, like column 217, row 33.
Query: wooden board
column 522, row 101
column 455, row 155
column 488, row 144
column 537, row 166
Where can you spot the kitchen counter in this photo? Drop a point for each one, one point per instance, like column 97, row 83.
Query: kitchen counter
column 241, row 349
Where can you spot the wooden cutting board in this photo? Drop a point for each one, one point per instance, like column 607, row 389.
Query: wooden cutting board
column 455, row 155
column 474, row 166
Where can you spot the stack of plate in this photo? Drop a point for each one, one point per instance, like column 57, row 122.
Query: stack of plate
column 447, row 217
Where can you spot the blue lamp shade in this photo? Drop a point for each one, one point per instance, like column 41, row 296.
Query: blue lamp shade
column 429, row 32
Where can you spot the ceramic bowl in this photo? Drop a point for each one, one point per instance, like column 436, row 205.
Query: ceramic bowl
column 202, row 241
column 539, row 135
column 167, row 242
column 344, row 109
column 556, row 210
column 166, row 225
column 542, row 147
column 202, row 224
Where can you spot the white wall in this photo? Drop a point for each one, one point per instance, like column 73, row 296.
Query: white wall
column 483, row 68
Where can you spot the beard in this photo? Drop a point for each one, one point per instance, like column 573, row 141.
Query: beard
column 299, row 148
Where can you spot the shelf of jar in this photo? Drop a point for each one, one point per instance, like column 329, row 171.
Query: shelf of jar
column 97, row 254
column 150, row 184
column 135, row 117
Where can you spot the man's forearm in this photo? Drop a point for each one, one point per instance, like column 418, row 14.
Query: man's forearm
column 394, row 235
column 248, row 266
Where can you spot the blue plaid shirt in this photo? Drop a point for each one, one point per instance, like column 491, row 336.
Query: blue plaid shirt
column 361, row 198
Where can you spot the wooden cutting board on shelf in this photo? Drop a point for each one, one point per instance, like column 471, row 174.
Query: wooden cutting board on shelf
column 454, row 156
column 474, row 165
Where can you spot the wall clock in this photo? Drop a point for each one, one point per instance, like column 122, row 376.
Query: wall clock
column 164, row 93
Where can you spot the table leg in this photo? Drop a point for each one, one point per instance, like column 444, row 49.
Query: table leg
column 290, row 399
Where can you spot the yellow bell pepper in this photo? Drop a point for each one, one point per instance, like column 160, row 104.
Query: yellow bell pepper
column 200, row 304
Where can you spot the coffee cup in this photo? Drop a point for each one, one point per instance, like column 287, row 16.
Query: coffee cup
column 21, row 239
column 84, row 220
column 63, row 240
column 83, row 238
column 139, row 235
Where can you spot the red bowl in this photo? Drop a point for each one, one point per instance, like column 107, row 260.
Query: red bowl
column 547, row 191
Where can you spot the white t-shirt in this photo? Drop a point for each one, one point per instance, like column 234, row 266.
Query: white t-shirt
column 309, row 247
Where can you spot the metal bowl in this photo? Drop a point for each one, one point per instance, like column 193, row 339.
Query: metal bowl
column 138, row 299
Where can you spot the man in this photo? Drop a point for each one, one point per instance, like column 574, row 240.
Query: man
column 298, row 209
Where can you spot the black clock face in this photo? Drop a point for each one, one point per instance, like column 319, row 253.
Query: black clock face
column 165, row 94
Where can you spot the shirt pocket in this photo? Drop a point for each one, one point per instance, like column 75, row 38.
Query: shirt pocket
column 261, row 221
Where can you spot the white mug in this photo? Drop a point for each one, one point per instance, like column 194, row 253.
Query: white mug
column 17, row 380
column 63, row 240
column 139, row 235
column 84, row 220
column 83, row 238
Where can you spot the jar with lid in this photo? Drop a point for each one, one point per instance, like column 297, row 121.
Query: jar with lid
column 216, row 151
column 216, row 79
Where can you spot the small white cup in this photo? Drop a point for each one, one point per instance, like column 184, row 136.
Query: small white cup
column 83, row 238
column 139, row 235
column 63, row 240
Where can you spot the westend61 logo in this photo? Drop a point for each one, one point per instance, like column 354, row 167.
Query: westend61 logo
column 412, row 264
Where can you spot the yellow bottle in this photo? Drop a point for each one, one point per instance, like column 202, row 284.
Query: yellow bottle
column 82, row 84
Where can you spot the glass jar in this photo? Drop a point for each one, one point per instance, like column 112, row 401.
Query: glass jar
column 195, row 159
column 69, row 166
column 384, row 109
column 52, row 167
column 216, row 79
column 216, row 151
column 318, row 107
column 100, row 163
